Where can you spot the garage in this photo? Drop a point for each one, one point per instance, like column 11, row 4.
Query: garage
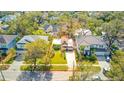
column 101, row 52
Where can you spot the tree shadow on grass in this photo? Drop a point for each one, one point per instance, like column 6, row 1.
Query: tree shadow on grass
column 35, row 76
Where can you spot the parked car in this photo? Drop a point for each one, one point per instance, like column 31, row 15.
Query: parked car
column 96, row 78
column 105, row 70
column 107, row 59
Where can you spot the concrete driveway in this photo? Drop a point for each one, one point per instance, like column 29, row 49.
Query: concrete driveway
column 70, row 57
column 14, row 70
column 103, row 64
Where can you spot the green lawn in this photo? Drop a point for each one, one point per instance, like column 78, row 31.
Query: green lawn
column 58, row 58
column 59, row 68
column 89, row 63
column 89, row 66
column 42, row 68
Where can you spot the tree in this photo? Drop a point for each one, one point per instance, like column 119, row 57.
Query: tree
column 35, row 50
column 112, row 32
column 49, row 54
column 82, row 72
column 117, row 66
column 69, row 22
column 24, row 24
column 10, row 55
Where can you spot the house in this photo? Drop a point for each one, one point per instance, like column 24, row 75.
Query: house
column 51, row 29
column 67, row 43
column 8, row 18
column 91, row 43
column 57, row 44
column 4, row 27
column 27, row 39
column 121, row 43
column 7, row 42
column 83, row 32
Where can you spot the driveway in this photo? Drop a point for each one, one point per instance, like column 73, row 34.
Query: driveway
column 14, row 69
column 103, row 64
column 70, row 57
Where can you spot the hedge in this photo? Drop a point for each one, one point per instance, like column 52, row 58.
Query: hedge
column 57, row 47
column 43, row 68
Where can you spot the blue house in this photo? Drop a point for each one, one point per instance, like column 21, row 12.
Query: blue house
column 7, row 42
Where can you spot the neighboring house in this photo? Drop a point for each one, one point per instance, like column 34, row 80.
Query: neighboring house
column 8, row 18
column 121, row 43
column 7, row 42
column 57, row 42
column 91, row 43
column 52, row 29
column 67, row 43
column 83, row 32
column 4, row 27
column 27, row 39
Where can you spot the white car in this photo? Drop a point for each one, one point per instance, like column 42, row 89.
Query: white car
column 105, row 70
column 108, row 59
column 96, row 78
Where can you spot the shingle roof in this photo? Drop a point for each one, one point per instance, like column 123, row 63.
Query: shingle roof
column 53, row 28
column 89, row 40
column 31, row 38
column 7, row 38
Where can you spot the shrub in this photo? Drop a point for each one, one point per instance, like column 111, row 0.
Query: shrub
column 38, row 68
column 25, row 67
column 44, row 68
column 4, row 67
column 59, row 68
column 56, row 47
column 92, row 58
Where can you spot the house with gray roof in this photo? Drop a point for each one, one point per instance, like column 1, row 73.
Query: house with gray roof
column 90, row 42
column 51, row 29
column 8, row 18
column 28, row 39
column 7, row 42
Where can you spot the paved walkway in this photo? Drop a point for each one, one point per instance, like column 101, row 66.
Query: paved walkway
column 70, row 57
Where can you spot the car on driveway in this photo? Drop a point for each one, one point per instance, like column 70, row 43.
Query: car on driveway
column 105, row 70
column 96, row 78
column 107, row 59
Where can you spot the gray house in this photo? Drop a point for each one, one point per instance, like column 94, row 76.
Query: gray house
column 90, row 43
column 27, row 39
column 52, row 29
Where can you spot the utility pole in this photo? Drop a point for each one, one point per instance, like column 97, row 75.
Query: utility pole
column 73, row 73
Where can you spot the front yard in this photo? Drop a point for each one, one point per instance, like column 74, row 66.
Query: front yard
column 58, row 63
column 58, row 58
